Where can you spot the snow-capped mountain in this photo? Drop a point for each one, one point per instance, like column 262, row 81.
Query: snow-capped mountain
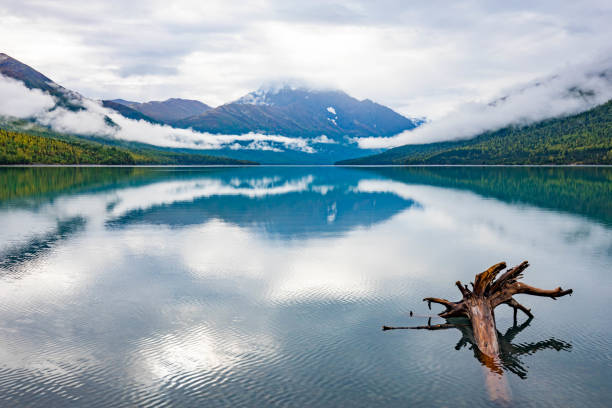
column 303, row 112
column 323, row 122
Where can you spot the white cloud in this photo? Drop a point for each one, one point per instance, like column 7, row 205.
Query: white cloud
column 573, row 90
column 25, row 103
column 323, row 139
column 142, row 198
column 17, row 100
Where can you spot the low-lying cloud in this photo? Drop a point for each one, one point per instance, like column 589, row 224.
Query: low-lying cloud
column 21, row 102
column 573, row 90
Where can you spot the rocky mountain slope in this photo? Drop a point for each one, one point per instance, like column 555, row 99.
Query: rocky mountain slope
column 302, row 112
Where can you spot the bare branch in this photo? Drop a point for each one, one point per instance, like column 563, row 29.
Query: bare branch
column 458, row 310
column 446, row 303
column 530, row 290
column 516, row 305
column 463, row 289
column 428, row 327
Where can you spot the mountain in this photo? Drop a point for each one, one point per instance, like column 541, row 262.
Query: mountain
column 585, row 138
column 173, row 109
column 167, row 111
column 12, row 68
column 301, row 112
column 128, row 112
column 323, row 122
column 24, row 142
column 123, row 102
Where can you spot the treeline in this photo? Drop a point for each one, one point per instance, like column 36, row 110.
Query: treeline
column 585, row 138
column 18, row 147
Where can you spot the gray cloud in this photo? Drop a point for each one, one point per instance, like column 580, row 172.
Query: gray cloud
column 424, row 59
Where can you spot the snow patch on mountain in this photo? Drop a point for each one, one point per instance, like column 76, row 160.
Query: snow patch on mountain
column 258, row 97
column 264, row 95
column 331, row 110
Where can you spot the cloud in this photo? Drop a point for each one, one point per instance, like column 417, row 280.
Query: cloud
column 165, row 193
column 323, row 139
column 573, row 90
column 419, row 58
column 19, row 101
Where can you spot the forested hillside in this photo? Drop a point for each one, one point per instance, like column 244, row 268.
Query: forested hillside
column 585, row 138
column 17, row 147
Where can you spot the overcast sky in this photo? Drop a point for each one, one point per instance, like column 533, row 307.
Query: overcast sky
column 420, row 58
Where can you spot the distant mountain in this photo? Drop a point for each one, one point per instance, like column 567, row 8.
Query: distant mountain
column 123, row 102
column 167, row 111
column 301, row 112
column 128, row 112
column 585, row 138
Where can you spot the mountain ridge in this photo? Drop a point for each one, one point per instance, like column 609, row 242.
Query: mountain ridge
column 33, row 79
column 167, row 111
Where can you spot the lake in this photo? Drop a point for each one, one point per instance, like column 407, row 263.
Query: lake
column 268, row 286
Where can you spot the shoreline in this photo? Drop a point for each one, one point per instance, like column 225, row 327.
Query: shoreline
column 305, row 165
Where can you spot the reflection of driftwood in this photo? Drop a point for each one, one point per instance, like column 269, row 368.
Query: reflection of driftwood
column 509, row 358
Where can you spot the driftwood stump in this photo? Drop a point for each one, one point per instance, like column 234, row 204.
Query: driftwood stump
column 478, row 305
column 487, row 293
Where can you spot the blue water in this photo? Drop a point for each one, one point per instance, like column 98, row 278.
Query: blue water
column 268, row 286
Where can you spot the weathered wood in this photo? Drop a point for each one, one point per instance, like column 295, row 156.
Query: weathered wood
column 478, row 305
column 483, row 324
column 487, row 293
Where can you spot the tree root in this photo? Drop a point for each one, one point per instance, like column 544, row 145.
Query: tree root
column 479, row 303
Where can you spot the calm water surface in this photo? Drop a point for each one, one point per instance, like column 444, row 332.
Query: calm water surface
column 268, row 286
